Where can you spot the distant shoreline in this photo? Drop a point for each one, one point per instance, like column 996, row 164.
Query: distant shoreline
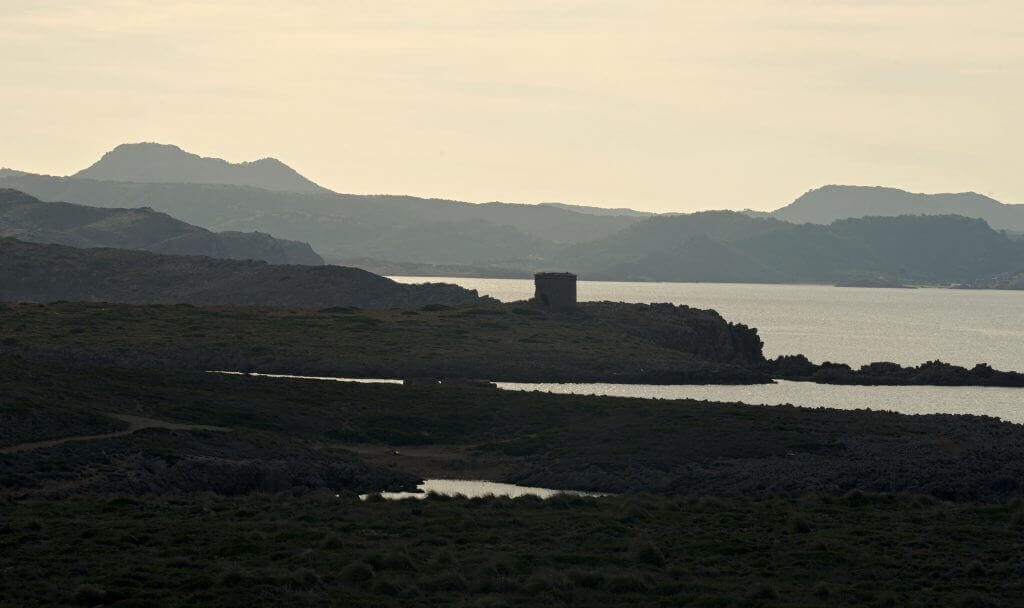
column 585, row 279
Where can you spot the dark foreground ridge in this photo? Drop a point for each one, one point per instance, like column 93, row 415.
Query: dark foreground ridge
column 518, row 342
column 43, row 273
column 598, row 342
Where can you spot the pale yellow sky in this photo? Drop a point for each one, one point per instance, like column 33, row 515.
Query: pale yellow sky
column 658, row 105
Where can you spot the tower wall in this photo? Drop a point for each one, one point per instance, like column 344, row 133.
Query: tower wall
column 555, row 290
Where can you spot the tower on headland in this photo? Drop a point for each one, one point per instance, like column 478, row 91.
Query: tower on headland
column 555, row 290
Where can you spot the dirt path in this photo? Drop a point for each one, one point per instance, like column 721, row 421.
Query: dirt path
column 135, row 423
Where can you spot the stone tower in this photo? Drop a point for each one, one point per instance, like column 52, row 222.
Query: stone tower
column 555, row 290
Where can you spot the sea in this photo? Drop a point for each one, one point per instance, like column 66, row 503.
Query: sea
column 853, row 325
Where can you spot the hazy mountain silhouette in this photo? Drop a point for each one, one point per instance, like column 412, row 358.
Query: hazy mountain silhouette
column 658, row 235
column 38, row 272
column 728, row 246
column 699, row 258
column 830, row 203
column 30, row 219
column 619, row 211
column 477, row 241
column 341, row 226
column 161, row 163
column 222, row 196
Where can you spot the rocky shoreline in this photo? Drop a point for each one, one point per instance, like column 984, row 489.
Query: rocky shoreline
column 931, row 373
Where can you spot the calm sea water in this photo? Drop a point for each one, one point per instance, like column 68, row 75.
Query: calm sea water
column 848, row 325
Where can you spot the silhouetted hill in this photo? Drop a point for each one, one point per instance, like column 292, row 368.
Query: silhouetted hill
column 827, row 204
column 726, row 246
column 160, row 163
column 454, row 242
column 1006, row 280
column 347, row 226
column 934, row 247
column 30, row 219
column 658, row 235
column 433, row 270
column 599, row 210
column 36, row 272
column 699, row 259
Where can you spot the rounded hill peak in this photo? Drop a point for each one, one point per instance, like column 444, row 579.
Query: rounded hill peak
column 151, row 162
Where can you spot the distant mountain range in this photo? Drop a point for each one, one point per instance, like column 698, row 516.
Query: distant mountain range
column 165, row 164
column 42, row 273
column 830, row 203
column 831, row 234
column 220, row 196
column 29, row 219
column 728, row 246
column 618, row 211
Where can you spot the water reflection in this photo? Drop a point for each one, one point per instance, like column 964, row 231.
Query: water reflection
column 478, row 489
column 1004, row 403
column 294, row 377
column 1000, row 402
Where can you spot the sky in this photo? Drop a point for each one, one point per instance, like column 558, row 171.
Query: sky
column 660, row 105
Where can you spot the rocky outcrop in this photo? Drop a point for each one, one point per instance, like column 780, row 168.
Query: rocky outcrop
column 932, row 373
column 692, row 330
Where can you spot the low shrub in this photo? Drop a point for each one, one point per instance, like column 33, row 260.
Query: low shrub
column 626, row 583
column 798, row 524
column 646, row 552
column 357, row 572
column 89, row 595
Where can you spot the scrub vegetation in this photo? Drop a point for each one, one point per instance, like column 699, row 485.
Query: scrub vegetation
column 855, row 550
column 301, row 436
column 242, row 490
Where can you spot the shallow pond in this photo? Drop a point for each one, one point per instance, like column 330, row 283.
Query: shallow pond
column 477, row 489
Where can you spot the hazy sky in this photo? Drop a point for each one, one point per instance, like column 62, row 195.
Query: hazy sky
column 659, row 105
